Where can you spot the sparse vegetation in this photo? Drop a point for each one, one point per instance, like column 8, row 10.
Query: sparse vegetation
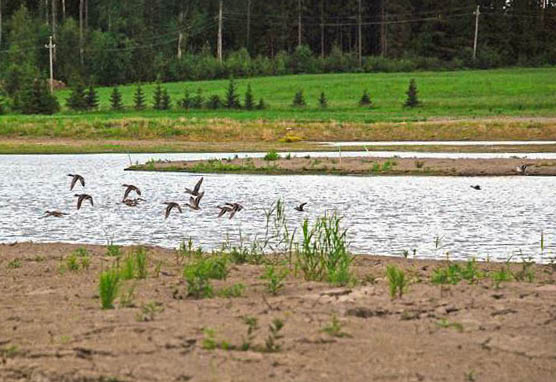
column 272, row 155
column 109, row 284
column 275, row 278
column 334, row 328
column 397, row 281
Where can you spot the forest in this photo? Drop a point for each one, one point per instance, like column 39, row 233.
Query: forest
column 111, row 42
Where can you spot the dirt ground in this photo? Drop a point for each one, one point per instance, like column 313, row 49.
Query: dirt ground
column 52, row 327
column 368, row 166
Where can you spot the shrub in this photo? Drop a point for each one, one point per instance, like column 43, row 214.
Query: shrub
column 323, row 102
column 77, row 100
column 140, row 255
column 108, row 288
column 214, row 102
column 261, row 105
column 412, row 98
column 275, row 278
column 365, row 99
column 299, row 99
column 198, row 100
column 139, row 98
column 232, row 98
column 397, row 281
column 249, row 102
column 186, row 102
column 272, row 155
column 166, row 102
column 116, row 99
column 36, row 99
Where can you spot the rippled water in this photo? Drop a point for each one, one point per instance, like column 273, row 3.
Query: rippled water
column 385, row 215
column 439, row 143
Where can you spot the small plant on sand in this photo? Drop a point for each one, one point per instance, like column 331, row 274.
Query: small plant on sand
column 444, row 323
column 235, row 290
column 502, row 275
column 252, row 327
column 209, row 340
column 334, row 328
column 272, row 155
column 271, row 342
column 113, row 250
column 140, row 255
column 108, row 287
column 454, row 273
column 275, row 278
column 397, row 281
column 198, row 273
column 149, row 311
column 526, row 273
column 9, row 351
column 127, row 298
column 72, row 263
column 15, row 263
column 127, row 268
column 187, row 251
column 419, row 163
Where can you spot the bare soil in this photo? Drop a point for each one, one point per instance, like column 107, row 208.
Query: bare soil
column 362, row 166
column 53, row 329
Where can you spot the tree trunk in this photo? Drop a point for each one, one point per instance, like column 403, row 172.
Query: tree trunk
column 383, row 46
column 322, row 28
column 64, row 10
column 54, row 15
column 81, row 30
column 0, row 22
column 298, row 22
column 46, row 14
column 86, row 10
column 248, row 24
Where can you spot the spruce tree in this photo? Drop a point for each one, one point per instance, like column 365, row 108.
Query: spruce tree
column 232, row 98
column 198, row 100
column 157, row 97
column 76, row 100
column 365, row 99
column 249, row 103
column 139, row 98
column 36, row 99
column 166, row 102
column 1, row 104
column 116, row 99
column 323, row 102
column 261, row 105
column 299, row 99
column 186, row 102
column 91, row 98
column 412, row 99
column 214, row 102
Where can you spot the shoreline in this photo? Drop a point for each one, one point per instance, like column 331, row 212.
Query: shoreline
column 56, row 329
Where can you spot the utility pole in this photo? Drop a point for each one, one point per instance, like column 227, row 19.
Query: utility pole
column 477, row 14
column 50, row 47
column 220, row 33
column 298, row 22
column 360, row 35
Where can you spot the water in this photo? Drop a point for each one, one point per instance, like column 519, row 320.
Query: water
column 385, row 215
column 438, row 143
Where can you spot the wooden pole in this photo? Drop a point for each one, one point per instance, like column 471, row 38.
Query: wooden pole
column 477, row 14
column 220, row 33
column 50, row 47
column 298, row 22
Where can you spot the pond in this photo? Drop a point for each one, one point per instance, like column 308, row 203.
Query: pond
column 385, row 215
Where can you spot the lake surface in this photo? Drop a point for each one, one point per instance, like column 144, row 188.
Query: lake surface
column 439, row 143
column 385, row 215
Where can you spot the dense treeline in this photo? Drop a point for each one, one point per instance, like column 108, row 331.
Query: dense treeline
column 117, row 41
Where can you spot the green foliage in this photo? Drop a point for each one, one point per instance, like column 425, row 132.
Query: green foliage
column 502, row 275
column 109, row 284
column 198, row 100
column 323, row 102
column 149, row 311
column 299, row 99
column 261, row 105
column 365, row 99
column 198, row 273
column 14, row 264
column 113, row 250
column 116, row 99
column 139, row 98
column 140, row 255
column 166, row 103
column 526, row 273
column 209, row 341
column 334, row 328
column 127, row 268
column 187, row 101
column 249, row 102
column 444, row 323
column 235, row 290
column 271, row 342
column 275, row 278
column 272, row 155
column 252, row 327
column 157, row 97
column 412, row 97
column 91, row 98
column 36, row 99
column 232, row 98
column 397, row 281
column 77, row 100
column 214, row 102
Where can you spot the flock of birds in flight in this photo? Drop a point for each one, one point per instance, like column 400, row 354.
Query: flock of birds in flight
column 194, row 200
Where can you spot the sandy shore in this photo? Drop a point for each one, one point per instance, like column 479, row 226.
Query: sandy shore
column 52, row 327
column 359, row 166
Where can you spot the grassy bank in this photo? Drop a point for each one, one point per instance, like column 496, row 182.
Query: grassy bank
column 354, row 166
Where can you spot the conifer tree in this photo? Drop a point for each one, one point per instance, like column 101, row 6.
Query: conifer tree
column 166, row 101
column 198, row 100
column 299, row 99
column 249, row 103
column 261, row 105
column 412, row 99
column 232, row 98
column 323, row 102
column 214, row 102
column 157, row 97
column 116, row 99
column 365, row 99
column 76, row 100
column 36, row 99
column 139, row 98
column 186, row 102
column 1, row 104
column 91, row 98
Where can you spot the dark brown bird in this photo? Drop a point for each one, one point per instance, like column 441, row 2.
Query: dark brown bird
column 76, row 178
column 194, row 202
column 522, row 169
column 300, row 207
column 56, row 214
column 132, row 202
column 195, row 191
column 476, row 187
column 223, row 210
column 129, row 188
column 169, row 207
column 83, row 197
column 235, row 207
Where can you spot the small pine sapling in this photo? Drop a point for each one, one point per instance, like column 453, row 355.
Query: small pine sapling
column 323, row 102
column 249, row 102
column 139, row 98
column 116, row 99
column 365, row 99
column 412, row 98
column 299, row 99
column 91, row 98
column 166, row 102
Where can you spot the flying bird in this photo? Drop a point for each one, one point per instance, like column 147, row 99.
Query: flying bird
column 223, row 210
column 194, row 202
column 81, row 198
column 132, row 202
column 195, row 191
column 235, row 207
column 169, row 207
column 56, row 214
column 476, row 187
column 129, row 188
column 75, row 179
column 300, row 207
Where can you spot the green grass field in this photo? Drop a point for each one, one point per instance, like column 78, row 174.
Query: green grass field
column 461, row 94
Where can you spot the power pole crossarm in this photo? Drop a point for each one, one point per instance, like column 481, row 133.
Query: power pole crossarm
column 477, row 14
column 50, row 47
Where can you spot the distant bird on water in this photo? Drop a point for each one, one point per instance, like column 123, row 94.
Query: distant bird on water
column 132, row 202
column 56, row 214
column 129, row 188
column 477, row 187
column 522, row 169
column 75, row 179
column 195, row 191
column 81, row 198
column 194, row 202
column 169, row 207
column 300, row 207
